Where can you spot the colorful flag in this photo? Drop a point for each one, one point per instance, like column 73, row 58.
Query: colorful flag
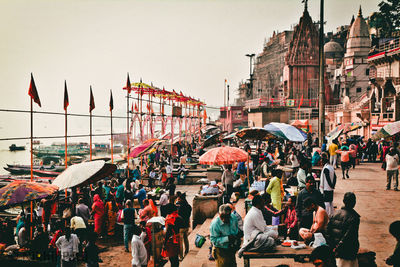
column 148, row 106
column 91, row 105
column 33, row 92
column 301, row 101
column 128, row 85
column 136, row 108
column 111, row 101
column 66, row 100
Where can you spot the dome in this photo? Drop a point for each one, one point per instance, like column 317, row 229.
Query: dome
column 333, row 47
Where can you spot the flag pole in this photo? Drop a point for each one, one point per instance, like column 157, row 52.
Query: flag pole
column 128, row 86
column 111, row 127
column 112, row 144
column 30, row 228
column 66, row 146
column 90, row 115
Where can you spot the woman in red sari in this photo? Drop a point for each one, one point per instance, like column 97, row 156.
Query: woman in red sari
column 98, row 214
column 171, row 247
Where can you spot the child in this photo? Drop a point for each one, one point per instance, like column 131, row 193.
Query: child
column 394, row 230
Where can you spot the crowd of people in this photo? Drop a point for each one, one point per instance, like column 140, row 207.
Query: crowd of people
column 290, row 187
column 308, row 213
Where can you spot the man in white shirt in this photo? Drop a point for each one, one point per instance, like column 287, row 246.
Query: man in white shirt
column 164, row 200
column 68, row 245
column 327, row 184
column 169, row 170
column 139, row 253
column 254, row 223
column 392, row 165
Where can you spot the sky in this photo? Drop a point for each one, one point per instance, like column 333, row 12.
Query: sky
column 187, row 45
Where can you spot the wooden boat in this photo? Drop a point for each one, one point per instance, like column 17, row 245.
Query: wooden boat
column 54, row 168
column 14, row 147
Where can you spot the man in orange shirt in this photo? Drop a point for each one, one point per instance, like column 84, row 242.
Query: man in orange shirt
column 345, row 160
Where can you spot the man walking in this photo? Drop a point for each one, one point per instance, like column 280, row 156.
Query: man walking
column 327, row 184
column 392, row 171
column 223, row 232
column 332, row 153
column 342, row 232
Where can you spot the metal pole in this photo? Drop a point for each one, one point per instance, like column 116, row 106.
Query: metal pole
column 90, row 134
column 112, row 141
column 127, row 131
column 321, row 125
column 30, row 228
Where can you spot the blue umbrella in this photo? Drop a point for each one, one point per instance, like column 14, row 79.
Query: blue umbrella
column 286, row 131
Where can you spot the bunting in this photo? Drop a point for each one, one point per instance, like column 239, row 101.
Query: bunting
column 33, row 92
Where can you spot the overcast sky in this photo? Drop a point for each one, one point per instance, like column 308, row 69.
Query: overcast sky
column 184, row 45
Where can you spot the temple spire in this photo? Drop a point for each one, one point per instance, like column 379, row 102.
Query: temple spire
column 305, row 4
column 360, row 12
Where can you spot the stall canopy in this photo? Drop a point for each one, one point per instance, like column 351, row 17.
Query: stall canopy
column 387, row 130
column 255, row 133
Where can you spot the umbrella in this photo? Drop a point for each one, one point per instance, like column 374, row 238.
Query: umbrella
column 254, row 133
column 223, row 155
column 387, row 130
column 214, row 139
column 345, row 128
column 286, row 131
column 139, row 150
column 84, row 173
column 19, row 192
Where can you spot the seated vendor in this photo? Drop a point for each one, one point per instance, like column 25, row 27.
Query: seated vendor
column 320, row 220
column 257, row 235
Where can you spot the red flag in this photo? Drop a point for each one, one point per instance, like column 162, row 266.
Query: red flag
column 148, row 106
column 136, row 108
column 33, row 92
column 111, row 101
column 128, row 85
column 66, row 100
column 91, row 105
column 132, row 108
column 301, row 101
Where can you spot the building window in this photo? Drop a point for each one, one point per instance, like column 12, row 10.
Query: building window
column 358, row 90
column 367, row 72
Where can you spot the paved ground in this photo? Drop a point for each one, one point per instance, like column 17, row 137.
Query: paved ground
column 377, row 207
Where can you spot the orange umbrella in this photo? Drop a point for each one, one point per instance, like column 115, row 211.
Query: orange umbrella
column 223, row 155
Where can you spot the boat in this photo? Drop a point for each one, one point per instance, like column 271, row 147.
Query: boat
column 56, row 150
column 54, row 168
column 14, row 147
column 26, row 169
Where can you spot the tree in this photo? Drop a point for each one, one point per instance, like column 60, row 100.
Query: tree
column 387, row 20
